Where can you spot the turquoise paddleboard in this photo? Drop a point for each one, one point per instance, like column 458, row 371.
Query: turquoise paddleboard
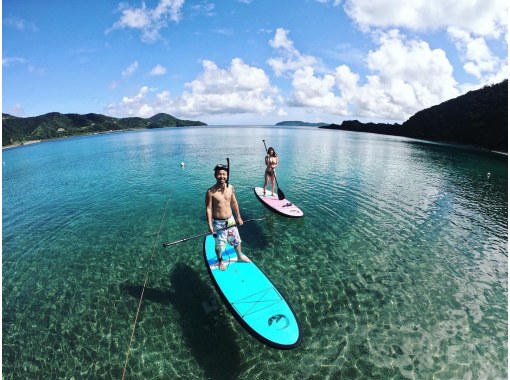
column 253, row 299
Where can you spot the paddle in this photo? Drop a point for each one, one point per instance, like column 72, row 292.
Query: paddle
column 280, row 192
column 228, row 170
column 205, row 233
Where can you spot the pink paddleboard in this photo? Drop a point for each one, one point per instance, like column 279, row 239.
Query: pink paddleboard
column 283, row 207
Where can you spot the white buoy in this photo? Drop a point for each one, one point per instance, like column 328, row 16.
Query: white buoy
column 488, row 174
column 182, row 164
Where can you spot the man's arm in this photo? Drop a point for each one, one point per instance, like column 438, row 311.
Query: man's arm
column 208, row 210
column 235, row 207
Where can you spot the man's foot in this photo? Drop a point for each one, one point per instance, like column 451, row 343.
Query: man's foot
column 243, row 258
column 221, row 265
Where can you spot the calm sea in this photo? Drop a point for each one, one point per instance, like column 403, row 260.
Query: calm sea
column 398, row 270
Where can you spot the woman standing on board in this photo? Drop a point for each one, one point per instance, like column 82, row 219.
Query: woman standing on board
column 271, row 164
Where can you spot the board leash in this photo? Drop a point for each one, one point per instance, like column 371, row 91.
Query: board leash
column 141, row 295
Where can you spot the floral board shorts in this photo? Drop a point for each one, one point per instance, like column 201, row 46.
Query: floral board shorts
column 231, row 234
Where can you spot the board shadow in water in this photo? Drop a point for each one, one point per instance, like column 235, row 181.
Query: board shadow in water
column 205, row 327
column 254, row 232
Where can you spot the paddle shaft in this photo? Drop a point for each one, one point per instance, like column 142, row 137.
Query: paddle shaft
column 205, row 233
column 280, row 192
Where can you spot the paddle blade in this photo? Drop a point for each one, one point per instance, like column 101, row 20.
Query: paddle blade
column 281, row 196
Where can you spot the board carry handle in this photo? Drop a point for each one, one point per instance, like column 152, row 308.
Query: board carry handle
column 206, row 233
column 280, row 192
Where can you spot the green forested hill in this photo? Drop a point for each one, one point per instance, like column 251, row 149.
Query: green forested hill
column 17, row 130
column 478, row 118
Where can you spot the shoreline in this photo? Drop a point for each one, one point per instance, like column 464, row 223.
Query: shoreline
column 439, row 142
column 32, row 142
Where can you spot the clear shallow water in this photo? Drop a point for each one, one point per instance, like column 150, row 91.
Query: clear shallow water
column 398, row 269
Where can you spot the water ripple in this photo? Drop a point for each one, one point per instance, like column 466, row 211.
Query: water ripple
column 398, row 269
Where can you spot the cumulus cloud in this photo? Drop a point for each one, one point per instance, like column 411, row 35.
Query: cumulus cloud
column 318, row 92
column 469, row 24
column 480, row 17
column 239, row 89
column 149, row 21
column 141, row 104
column 158, row 70
column 478, row 59
column 289, row 59
column 405, row 76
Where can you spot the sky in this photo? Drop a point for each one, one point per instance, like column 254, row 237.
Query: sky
column 249, row 61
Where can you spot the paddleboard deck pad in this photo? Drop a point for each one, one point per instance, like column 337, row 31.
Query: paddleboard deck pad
column 253, row 299
column 283, row 207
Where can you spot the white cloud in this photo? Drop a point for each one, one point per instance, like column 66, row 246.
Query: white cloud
column 16, row 110
column 149, row 21
column 10, row 61
column 290, row 58
column 128, row 71
column 138, row 105
column 469, row 24
column 480, row 17
column 239, row 89
column 334, row 2
column 405, row 76
column 204, row 8
column 13, row 61
column 158, row 70
column 312, row 91
column 19, row 24
column 36, row 70
column 478, row 59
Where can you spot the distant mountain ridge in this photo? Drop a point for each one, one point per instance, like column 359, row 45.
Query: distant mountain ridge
column 301, row 123
column 478, row 118
column 17, row 130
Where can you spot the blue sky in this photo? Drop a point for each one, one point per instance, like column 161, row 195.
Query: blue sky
column 249, row 61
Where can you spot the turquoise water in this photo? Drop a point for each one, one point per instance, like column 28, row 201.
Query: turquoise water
column 398, row 269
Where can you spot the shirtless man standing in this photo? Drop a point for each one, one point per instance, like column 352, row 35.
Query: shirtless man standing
column 219, row 202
